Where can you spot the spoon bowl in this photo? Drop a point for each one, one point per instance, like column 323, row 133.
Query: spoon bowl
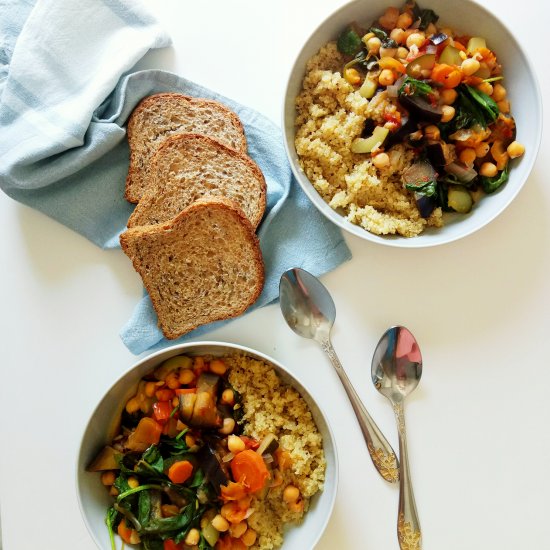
column 309, row 310
column 396, row 370
column 397, row 363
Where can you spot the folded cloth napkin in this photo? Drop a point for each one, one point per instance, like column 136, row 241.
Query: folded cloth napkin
column 63, row 149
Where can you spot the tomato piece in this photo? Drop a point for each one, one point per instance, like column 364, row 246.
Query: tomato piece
column 162, row 411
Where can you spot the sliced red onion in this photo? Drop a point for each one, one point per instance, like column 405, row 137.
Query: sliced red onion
column 393, row 90
column 464, row 173
column 228, row 457
column 267, row 458
column 430, row 48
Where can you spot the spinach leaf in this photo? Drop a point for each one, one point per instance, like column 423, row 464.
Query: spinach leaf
column 110, row 520
column 349, row 42
column 144, row 507
column 387, row 42
column 152, row 543
column 367, row 63
column 490, row 185
column 414, row 87
column 198, row 479
column 488, row 106
column 426, row 16
column 468, row 113
column 121, row 483
column 173, row 523
column 175, row 445
column 154, row 459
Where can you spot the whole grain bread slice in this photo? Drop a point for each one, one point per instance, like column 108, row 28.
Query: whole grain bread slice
column 203, row 265
column 161, row 115
column 189, row 166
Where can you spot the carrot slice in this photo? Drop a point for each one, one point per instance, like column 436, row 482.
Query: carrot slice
column 249, row 468
column 233, row 491
column 180, row 471
column 447, row 75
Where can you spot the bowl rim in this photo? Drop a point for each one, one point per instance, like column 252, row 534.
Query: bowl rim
column 181, row 348
column 397, row 241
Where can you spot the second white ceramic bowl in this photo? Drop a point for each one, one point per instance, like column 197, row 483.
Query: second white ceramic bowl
column 94, row 499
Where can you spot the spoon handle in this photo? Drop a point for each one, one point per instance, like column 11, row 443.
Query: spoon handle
column 408, row 525
column 381, row 452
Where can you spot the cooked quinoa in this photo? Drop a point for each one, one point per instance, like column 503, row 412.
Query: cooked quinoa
column 330, row 115
column 270, row 406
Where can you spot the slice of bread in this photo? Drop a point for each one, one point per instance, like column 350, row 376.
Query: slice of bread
column 161, row 115
column 203, row 265
column 189, row 166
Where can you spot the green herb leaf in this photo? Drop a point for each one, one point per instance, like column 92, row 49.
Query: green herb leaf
column 173, row 523
column 154, row 459
column 349, row 42
column 198, row 478
column 414, row 87
column 490, row 185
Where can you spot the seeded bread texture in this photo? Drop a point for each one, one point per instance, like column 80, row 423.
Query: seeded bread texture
column 202, row 266
column 189, row 166
column 158, row 116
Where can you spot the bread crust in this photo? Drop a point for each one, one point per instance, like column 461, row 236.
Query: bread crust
column 133, row 190
column 183, row 144
column 130, row 239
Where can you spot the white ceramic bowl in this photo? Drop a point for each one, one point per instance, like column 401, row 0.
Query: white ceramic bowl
column 520, row 81
column 92, row 496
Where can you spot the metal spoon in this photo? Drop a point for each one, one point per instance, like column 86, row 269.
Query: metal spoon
column 396, row 370
column 310, row 312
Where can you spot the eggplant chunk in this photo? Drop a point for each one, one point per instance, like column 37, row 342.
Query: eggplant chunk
column 200, row 409
column 420, row 108
column 215, row 470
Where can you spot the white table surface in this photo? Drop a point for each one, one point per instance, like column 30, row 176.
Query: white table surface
column 480, row 308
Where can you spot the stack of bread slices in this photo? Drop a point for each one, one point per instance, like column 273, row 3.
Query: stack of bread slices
column 199, row 199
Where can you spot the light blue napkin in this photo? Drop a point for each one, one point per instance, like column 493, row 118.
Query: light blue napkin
column 63, row 149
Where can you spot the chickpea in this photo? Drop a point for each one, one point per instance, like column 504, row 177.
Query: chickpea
column 133, row 482
column 352, row 76
column 228, row 397
column 114, row 491
column 499, row 92
column 193, row 537
column 382, row 160
column 515, row 149
column 432, row 132
column 448, row 113
column 373, row 45
column 470, row 66
column 482, row 149
column 404, row 21
column 488, row 169
column 220, row 523
column 172, row 380
column 132, row 405
column 228, row 426
column 108, row 478
column 186, row 376
column 402, row 53
column 448, row 96
column 249, row 537
column 217, row 366
column 389, row 19
column 386, row 78
column 503, row 106
column 291, row 494
column 387, row 52
column 415, row 39
column 150, row 389
column 398, row 35
column 486, row 88
column 236, row 530
column 467, row 156
column 235, row 444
